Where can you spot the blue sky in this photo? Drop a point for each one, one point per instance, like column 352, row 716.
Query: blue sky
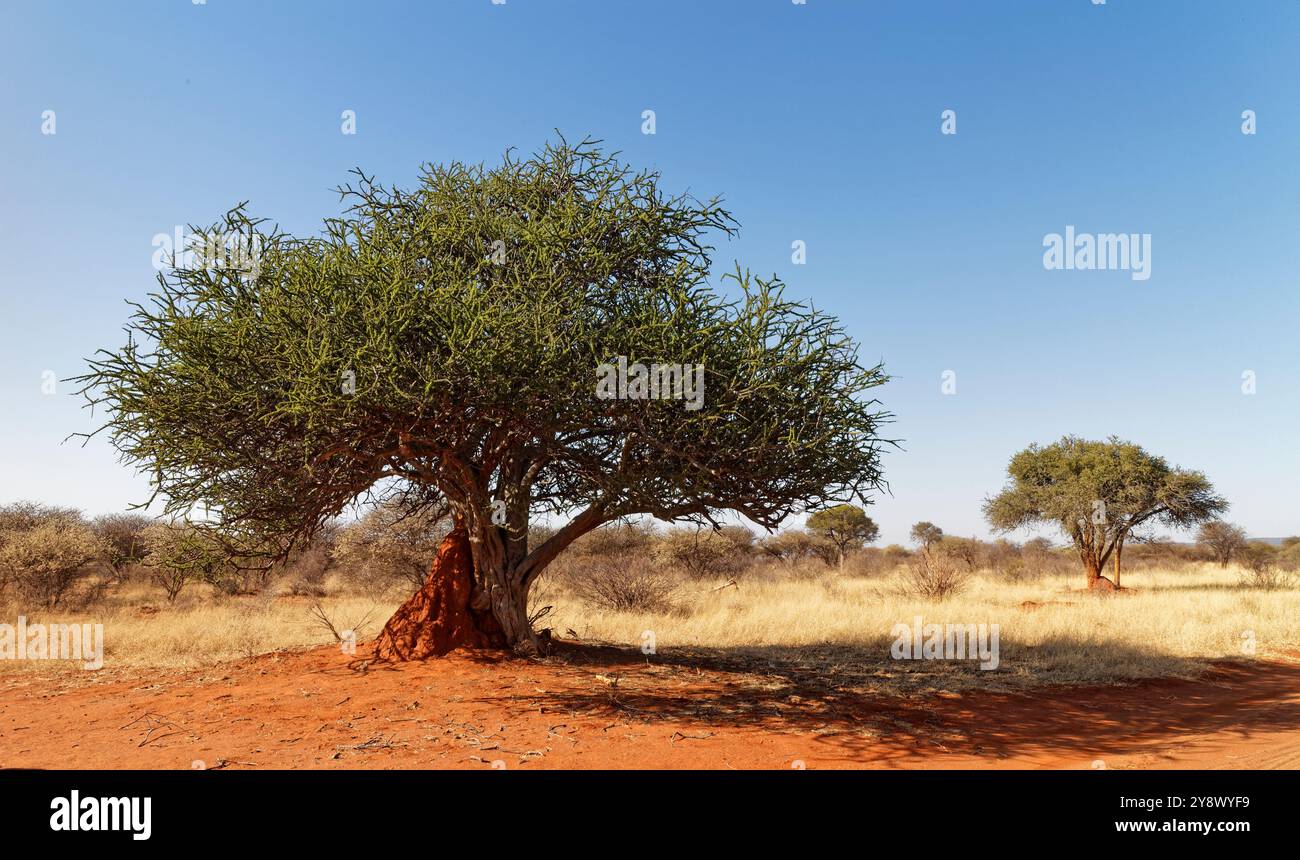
column 817, row 122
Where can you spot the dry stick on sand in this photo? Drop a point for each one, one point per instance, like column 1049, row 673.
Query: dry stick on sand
column 155, row 722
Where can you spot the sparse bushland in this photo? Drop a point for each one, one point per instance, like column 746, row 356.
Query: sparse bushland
column 392, row 544
column 618, row 581
column 1267, row 567
column 1167, row 622
column 179, row 554
column 701, row 552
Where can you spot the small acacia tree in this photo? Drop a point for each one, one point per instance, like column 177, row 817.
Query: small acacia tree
column 1100, row 494
column 181, row 553
column 926, row 534
column 455, row 336
column 1224, row 540
column 845, row 526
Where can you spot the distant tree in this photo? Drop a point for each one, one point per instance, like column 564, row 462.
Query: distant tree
column 1099, row 494
column 1223, row 540
column 1039, row 546
column 181, row 553
column 790, row 546
column 846, row 526
column 926, row 533
column 968, row 551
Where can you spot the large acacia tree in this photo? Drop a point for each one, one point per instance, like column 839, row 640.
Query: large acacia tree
column 1100, row 494
column 446, row 339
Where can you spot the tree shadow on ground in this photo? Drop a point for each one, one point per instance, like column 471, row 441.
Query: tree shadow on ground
column 858, row 704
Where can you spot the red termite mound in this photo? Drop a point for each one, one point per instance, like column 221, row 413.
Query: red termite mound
column 438, row 618
column 1101, row 585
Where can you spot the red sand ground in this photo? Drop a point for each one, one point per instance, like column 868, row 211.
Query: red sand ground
column 608, row 708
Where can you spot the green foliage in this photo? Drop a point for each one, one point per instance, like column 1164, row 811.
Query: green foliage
column 926, row 533
column 847, row 527
column 472, row 312
column 1099, row 494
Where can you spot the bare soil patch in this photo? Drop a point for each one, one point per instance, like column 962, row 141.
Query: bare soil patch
column 607, row 707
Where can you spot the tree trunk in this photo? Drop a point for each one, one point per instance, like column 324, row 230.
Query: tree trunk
column 448, row 612
column 1119, row 551
column 476, row 595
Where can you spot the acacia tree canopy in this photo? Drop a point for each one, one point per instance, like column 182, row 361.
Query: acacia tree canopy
column 1100, row 494
column 845, row 526
column 926, row 533
column 448, row 337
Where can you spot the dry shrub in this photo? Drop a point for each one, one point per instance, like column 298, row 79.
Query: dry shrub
column 614, row 539
column 870, row 562
column 969, row 552
column 935, row 575
column 306, row 588
column 624, row 584
column 701, row 553
column 788, row 547
column 123, row 534
column 305, row 570
column 391, row 547
column 181, row 553
column 44, row 552
column 1266, row 568
column 344, row 632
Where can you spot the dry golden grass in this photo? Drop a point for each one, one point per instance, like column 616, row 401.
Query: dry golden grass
column 1166, row 623
column 142, row 631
